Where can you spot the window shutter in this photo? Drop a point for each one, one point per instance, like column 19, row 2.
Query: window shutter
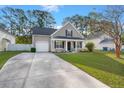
column 66, row 32
column 55, row 44
column 71, row 33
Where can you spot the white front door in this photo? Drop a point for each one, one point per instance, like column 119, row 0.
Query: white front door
column 42, row 46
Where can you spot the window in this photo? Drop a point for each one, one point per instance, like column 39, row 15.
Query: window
column 69, row 33
column 79, row 44
column 59, row 44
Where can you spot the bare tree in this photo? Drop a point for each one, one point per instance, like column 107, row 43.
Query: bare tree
column 112, row 24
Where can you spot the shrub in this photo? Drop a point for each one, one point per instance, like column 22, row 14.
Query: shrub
column 23, row 39
column 90, row 46
column 33, row 49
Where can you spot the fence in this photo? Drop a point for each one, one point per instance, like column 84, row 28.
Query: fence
column 19, row 47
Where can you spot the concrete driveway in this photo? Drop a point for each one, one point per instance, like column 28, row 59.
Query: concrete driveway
column 44, row 70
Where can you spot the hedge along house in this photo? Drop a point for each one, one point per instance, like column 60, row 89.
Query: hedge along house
column 6, row 39
column 67, row 38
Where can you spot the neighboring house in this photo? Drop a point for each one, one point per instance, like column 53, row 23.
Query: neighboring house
column 5, row 39
column 101, row 41
column 65, row 39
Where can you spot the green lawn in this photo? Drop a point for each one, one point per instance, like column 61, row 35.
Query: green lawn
column 102, row 65
column 4, row 56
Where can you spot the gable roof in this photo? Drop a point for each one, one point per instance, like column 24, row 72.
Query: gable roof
column 72, row 26
column 42, row 31
column 106, row 40
column 6, row 31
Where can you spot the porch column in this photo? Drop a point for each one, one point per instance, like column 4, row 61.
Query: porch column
column 52, row 43
column 82, row 45
column 76, row 46
column 66, row 46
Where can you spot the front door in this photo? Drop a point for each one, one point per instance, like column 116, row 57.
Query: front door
column 69, row 46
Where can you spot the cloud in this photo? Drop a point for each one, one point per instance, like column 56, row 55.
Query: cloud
column 58, row 27
column 51, row 8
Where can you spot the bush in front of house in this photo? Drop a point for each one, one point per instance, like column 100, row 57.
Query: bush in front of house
column 33, row 49
column 90, row 46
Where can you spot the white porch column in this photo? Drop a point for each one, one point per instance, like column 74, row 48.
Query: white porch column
column 76, row 46
column 66, row 49
column 82, row 45
column 51, row 45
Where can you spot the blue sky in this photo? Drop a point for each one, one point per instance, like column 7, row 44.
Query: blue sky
column 60, row 12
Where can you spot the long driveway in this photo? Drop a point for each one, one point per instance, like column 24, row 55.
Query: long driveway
column 41, row 70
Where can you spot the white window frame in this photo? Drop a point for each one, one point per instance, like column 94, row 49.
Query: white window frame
column 69, row 33
column 59, row 44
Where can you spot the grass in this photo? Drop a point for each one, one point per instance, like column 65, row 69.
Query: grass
column 4, row 56
column 102, row 65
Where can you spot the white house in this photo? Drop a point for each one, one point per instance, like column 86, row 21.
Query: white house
column 67, row 38
column 101, row 41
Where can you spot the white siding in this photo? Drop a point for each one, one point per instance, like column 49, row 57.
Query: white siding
column 99, row 45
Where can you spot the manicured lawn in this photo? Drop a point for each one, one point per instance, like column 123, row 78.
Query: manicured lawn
column 4, row 56
column 102, row 65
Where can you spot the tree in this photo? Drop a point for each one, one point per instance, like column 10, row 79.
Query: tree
column 19, row 22
column 94, row 19
column 82, row 23
column 2, row 26
column 44, row 19
column 76, row 20
column 112, row 24
column 8, row 19
column 122, row 38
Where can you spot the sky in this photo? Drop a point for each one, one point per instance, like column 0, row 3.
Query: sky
column 60, row 12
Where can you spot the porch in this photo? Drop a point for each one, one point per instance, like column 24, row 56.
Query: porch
column 66, row 45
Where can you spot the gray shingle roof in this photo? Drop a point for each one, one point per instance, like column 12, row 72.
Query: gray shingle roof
column 42, row 31
column 106, row 40
column 49, row 31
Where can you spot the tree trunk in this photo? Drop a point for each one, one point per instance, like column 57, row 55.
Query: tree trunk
column 117, row 50
column 118, row 47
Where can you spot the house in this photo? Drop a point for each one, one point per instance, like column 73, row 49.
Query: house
column 101, row 41
column 64, row 39
column 5, row 39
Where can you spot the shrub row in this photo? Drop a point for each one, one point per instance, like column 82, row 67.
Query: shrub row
column 23, row 39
